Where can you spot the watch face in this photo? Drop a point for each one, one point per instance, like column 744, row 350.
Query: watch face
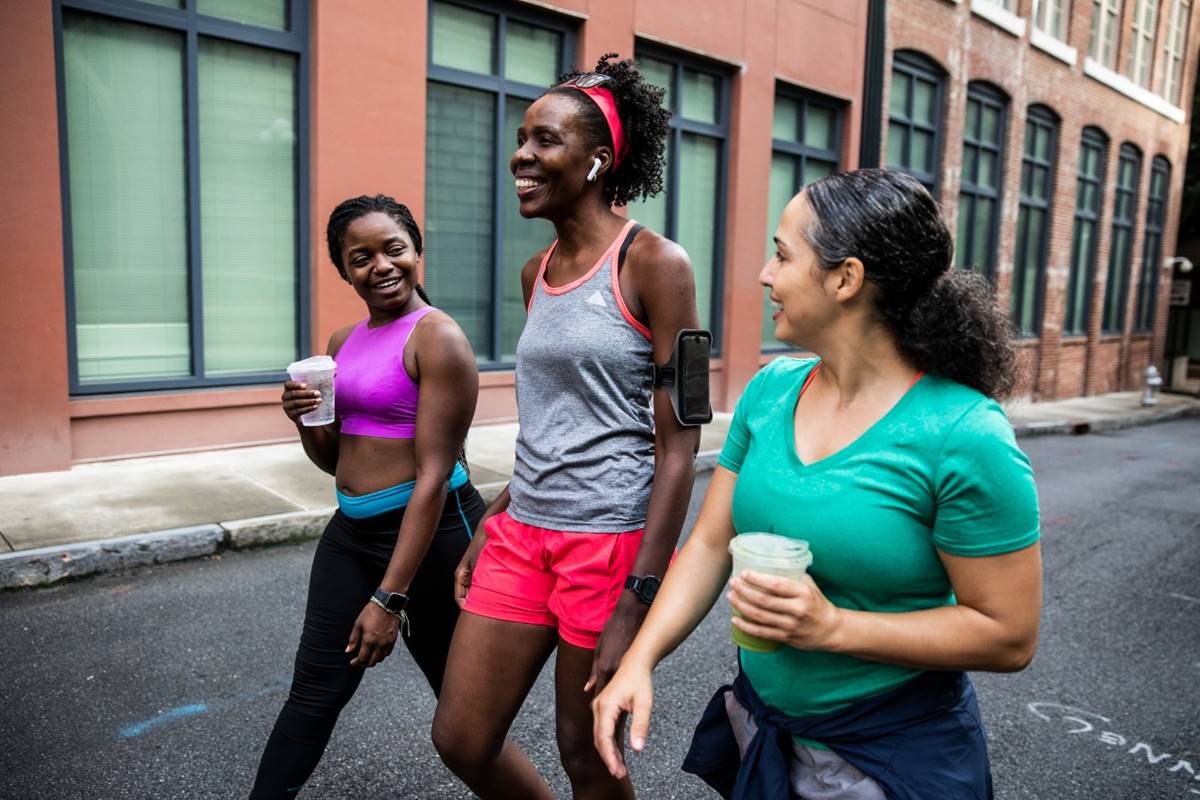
column 649, row 589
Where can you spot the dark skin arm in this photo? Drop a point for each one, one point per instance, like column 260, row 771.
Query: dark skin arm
column 445, row 368
column 659, row 288
column 320, row 442
column 462, row 575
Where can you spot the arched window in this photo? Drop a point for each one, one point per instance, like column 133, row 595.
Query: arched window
column 1156, row 211
column 915, row 117
column 1089, row 195
column 1033, row 218
column 1116, row 289
column 979, row 192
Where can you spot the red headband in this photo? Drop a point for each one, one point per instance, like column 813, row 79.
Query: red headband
column 604, row 100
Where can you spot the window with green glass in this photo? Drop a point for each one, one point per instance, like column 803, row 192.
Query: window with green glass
column 915, row 117
column 1156, row 210
column 689, row 210
column 1120, row 251
column 979, row 190
column 184, row 241
column 1089, row 193
column 806, row 145
column 1033, row 219
column 485, row 67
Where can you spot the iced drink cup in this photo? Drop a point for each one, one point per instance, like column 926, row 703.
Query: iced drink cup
column 317, row 372
column 771, row 554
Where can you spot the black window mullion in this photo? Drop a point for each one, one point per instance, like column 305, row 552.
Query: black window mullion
column 497, row 194
column 192, row 135
column 65, row 188
column 299, row 24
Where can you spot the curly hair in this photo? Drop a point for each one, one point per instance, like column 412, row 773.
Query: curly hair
column 645, row 122
column 349, row 210
column 946, row 321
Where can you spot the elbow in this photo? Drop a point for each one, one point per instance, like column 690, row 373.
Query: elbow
column 1015, row 655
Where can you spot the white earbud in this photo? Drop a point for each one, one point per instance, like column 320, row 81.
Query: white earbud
column 591, row 176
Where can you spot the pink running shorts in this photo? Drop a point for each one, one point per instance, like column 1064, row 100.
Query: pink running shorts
column 562, row 579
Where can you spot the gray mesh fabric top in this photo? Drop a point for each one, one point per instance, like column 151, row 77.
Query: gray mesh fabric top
column 585, row 450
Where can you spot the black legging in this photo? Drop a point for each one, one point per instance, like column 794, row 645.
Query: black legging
column 350, row 561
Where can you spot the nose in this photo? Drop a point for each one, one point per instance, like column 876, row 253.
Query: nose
column 520, row 157
column 766, row 275
column 381, row 263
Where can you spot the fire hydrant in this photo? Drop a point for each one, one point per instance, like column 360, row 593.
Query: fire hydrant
column 1152, row 382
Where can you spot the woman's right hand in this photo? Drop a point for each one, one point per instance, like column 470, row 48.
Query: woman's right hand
column 630, row 693
column 298, row 400
column 466, row 567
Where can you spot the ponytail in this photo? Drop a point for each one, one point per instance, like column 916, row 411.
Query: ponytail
column 946, row 321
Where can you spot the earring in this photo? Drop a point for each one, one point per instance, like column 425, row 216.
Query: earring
column 591, row 176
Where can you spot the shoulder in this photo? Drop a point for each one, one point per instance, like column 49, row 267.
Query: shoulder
column 339, row 338
column 776, row 379
column 655, row 257
column 959, row 409
column 530, row 270
column 437, row 331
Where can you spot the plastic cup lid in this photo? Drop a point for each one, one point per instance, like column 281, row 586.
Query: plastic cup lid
column 313, row 364
column 770, row 547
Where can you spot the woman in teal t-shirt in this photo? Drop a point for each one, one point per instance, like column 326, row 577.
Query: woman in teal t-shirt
column 890, row 456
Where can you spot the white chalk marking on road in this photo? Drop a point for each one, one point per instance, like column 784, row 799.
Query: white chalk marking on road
column 1179, row 596
column 1084, row 722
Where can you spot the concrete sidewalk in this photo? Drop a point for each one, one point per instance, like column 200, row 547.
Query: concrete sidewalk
column 114, row 515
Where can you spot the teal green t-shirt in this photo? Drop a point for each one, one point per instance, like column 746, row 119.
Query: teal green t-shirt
column 940, row 471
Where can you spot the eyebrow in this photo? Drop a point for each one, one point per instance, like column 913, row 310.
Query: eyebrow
column 390, row 240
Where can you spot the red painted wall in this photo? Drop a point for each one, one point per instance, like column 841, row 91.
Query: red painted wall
column 34, row 420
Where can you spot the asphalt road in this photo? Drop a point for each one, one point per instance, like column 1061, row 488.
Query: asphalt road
column 164, row 682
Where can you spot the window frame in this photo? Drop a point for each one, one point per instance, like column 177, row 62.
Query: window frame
column 917, row 65
column 1106, row 18
column 502, row 89
column 193, row 26
column 987, row 95
column 1095, row 138
column 1119, row 273
column 1152, row 236
column 680, row 125
column 1044, row 14
column 1144, row 34
column 1045, row 118
column 801, row 152
column 1177, row 29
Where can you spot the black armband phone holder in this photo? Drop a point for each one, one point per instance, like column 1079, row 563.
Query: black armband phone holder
column 685, row 377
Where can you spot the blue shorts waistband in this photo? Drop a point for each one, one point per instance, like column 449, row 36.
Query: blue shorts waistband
column 391, row 498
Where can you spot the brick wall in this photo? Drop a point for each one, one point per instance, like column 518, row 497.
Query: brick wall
column 970, row 47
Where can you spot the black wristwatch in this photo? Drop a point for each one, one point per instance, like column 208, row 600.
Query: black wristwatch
column 645, row 587
column 391, row 602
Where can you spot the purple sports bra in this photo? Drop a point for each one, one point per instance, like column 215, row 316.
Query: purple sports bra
column 373, row 394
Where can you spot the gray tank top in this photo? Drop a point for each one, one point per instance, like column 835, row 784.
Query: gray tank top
column 585, row 450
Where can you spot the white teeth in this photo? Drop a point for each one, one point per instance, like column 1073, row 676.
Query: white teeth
column 387, row 284
column 527, row 183
column 776, row 306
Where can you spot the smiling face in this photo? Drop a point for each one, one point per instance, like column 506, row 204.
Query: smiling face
column 803, row 294
column 552, row 159
column 381, row 264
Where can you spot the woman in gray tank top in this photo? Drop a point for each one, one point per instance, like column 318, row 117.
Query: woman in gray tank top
column 604, row 470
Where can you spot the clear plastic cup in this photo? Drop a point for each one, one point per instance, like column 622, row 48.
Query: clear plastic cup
column 771, row 554
column 318, row 373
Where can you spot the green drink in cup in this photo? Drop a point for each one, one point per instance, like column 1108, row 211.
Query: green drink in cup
column 771, row 554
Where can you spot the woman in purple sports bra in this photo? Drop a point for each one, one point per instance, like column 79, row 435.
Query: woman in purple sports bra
column 406, row 389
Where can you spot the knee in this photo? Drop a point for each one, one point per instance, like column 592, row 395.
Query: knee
column 463, row 747
column 578, row 754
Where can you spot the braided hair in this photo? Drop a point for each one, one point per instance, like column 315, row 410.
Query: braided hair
column 645, row 121
column 349, row 210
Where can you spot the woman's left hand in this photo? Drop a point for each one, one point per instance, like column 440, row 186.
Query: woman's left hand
column 373, row 637
column 794, row 612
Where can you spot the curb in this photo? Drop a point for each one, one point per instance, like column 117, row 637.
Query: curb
column 1077, row 427
column 49, row 565
column 46, row 566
